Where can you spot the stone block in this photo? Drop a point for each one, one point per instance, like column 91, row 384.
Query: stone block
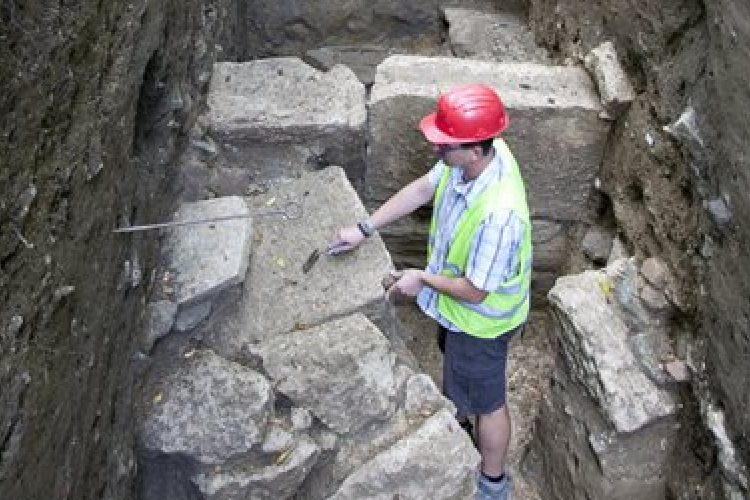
column 279, row 116
column 342, row 371
column 595, row 343
column 207, row 408
column 279, row 296
column 416, row 464
column 555, row 131
column 205, row 259
column 615, row 89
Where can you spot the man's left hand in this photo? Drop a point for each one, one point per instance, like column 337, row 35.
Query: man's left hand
column 408, row 283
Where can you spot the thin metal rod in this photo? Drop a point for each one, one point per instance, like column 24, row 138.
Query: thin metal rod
column 291, row 210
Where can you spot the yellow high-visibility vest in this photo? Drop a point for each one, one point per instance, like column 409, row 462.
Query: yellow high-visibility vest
column 507, row 307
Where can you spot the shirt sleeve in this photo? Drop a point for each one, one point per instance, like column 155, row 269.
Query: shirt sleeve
column 494, row 254
column 435, row 173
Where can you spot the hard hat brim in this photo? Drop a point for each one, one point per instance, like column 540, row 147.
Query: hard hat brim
column 434, row 135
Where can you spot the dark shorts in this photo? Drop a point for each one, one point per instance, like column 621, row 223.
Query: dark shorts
column 474, row 371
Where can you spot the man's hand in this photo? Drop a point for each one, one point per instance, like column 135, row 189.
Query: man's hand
column 408, row 283
column 346, row 240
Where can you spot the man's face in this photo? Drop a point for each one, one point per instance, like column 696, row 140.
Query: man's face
column 454, row 154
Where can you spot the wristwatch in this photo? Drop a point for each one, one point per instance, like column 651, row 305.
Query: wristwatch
column 365, row 226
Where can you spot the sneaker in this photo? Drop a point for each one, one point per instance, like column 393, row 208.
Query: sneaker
column 487, row 490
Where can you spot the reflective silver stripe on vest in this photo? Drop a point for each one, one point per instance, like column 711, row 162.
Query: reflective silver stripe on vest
column 514, row 289
column 502, row 289
column 491, row 313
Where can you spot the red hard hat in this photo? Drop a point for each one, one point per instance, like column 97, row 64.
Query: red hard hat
column 471, row 113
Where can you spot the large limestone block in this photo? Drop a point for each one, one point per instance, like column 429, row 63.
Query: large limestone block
column 208, row 408
column 342, row 371
column 555, row 131
column 416, row 466
column 596, row 344
column 205, row 259
column 276, row 115
column 279, row 295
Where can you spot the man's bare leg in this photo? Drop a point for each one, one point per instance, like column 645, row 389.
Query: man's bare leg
column 493, row 434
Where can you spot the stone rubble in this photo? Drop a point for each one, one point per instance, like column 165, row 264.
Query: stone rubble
column 305, row 392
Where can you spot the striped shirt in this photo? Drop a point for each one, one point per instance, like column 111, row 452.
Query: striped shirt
column 494, row 253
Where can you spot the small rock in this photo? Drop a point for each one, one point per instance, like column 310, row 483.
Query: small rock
column 719, row 212
column 302, row 419
column 16, row 323
column 277, row 439
column 23, row 204
column 63, row 292
column 207, row 146
column 619, row 251
column 685, row 127
column 190, row 317
column 653, row 299
column 160, row 317
column 656, row 272
column 678, row 370
column 597, row 244
column 615, row 90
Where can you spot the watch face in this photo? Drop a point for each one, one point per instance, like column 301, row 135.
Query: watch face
column 366, row 228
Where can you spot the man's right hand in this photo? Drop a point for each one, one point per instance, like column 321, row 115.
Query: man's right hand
column 346, row 240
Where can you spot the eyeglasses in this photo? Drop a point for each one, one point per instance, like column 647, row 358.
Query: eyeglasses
column 447, row 148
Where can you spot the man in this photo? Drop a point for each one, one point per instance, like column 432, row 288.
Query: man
column 476, row 283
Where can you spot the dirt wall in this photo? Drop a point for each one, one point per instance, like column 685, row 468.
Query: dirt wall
column 96, row 97
column 682, row 198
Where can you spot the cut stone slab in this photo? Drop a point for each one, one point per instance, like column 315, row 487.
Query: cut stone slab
column 417, row 464
column 278, row 115
column 555, row 131
column 596, row 347
column 615, row 89
column 279, row 296
column 491, row 36
column 209, row 409
column 342, row 371
column 276, row 481
column 205, row 259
